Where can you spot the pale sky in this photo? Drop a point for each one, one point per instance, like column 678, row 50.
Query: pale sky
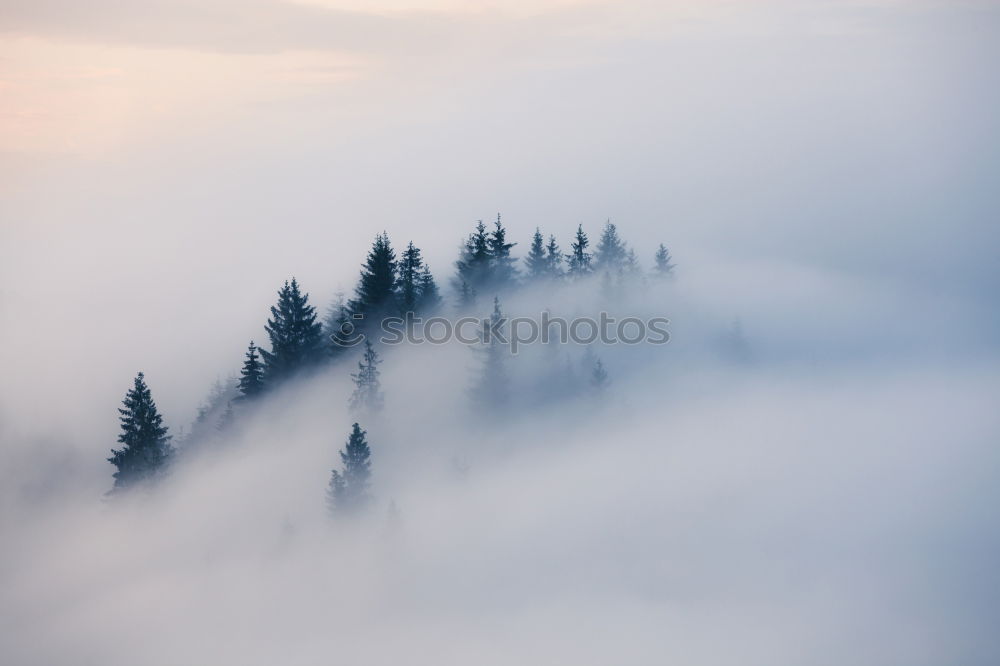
column 824, row 172
column 196, row 154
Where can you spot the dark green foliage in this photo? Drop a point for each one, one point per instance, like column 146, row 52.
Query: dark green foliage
column 611, row 253
column 485, row 263
column 375, row 295
column 367, row 394
column 473, row 266
column 504, row 268
column 349, row 488
column 252, row 375
column 662, row 266
column 146, row 448
column 410, row 268
column 296, row 336
column 537, row 261
column 553, row 259
column 429, row 299
column 492, row 388
column 417, row 291
column 579, row 260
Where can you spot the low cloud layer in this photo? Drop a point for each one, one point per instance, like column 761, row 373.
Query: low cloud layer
column 818, row 488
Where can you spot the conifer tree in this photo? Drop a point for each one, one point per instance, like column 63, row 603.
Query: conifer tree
column 428, row 296
column 553, row 259
column 375, row 295
column 349, row 489
column 662, row 266
column 491, row 389
column 409, row 282
column 146, row 448
column 502, row 265
column 610, row 253
column 473, row 266
column 579, row 260
column 631, row 267
column 335, row 329
column 251, row 375
column 296, row 336
column 537, row 261
column 367, row 394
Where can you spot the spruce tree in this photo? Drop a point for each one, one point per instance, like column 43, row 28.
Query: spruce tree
column 349, row 489
column 611, row 253
column 631, row 267
column 579, row 260
column 296, row 336
column 662, row 266
column 367, row 394
column 553, row 259
column 146, row 448
column 428, row 296
column 537, row 261
column 375, row 295
column 251, row 375
column 491, row 389
column 409, row 282
column 503, row 268
column 473, row 268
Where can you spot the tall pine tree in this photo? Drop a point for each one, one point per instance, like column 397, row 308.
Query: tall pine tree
column 473, row 268
column 375, row 295
column 503, row 266
column 662, row 266
column 428, row 296
column 553, row 259
column 409, row 282
column 251, row 375
column 537, row 261
column 611, row 253
column 146, row 448
column 367, row 394
column 349, row 489
column 296, row 336
column 579, row 260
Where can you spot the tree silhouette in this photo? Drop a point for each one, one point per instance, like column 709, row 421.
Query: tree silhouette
column 367, row 394
column 349, row 488
column 296, row 336
column 146, row 448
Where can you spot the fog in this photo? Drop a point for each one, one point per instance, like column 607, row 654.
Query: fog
column 822, row 490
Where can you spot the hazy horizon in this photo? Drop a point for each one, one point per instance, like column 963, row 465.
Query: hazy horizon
column 824, row 173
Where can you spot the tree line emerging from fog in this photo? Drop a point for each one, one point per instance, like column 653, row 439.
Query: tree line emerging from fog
column 389, row 286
